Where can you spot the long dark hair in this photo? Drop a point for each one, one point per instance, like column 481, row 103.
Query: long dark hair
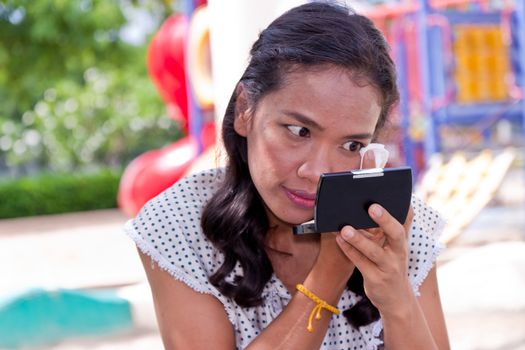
column 234, row 220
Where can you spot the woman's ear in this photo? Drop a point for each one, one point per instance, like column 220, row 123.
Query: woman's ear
column 242, row 115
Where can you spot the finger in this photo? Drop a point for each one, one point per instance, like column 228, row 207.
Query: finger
column 368, row 248
column 375, row 233
column 379, row 238
column 394, row 231
column 408, row 221
column 359, row 260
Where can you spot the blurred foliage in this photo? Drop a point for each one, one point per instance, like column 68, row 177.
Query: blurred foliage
column 74, row 95
column 158, row 8
column 48, row 193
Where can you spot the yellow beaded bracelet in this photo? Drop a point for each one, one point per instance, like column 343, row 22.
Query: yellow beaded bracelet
column 321, row 304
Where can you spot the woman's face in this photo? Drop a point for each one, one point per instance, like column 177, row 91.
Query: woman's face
column 316, row 123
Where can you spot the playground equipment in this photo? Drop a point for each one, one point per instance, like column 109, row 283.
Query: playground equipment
column 199, row 60
column 166, row 64
column 460, row 187
column 461, row 66
column 154, row 171
column 180, row 64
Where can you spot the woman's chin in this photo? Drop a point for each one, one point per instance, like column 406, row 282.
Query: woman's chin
column 296, row 220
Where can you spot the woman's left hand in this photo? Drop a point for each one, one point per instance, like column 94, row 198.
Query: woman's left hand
column 381, row 255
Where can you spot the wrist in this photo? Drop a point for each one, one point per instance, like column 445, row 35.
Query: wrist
column 336, row 269
column 400, row 312
column 331, row 261
column 328, row 281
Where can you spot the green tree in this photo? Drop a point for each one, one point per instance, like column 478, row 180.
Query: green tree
column 73, row 94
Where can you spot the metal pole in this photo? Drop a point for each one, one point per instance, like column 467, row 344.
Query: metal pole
column 520, row 28
column 432, row 142
column 194, row 112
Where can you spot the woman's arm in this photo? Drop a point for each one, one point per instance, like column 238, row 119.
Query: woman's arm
column 327, row 280
column 430, row 303
column 409, row 322
column 421, row 323
column 191, row 320
column 187, row 319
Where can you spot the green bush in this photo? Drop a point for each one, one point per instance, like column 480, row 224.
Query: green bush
column 73, row 93
column 53, row 193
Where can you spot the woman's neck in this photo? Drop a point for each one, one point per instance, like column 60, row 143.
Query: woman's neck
column 280, row 239
column 291, row 256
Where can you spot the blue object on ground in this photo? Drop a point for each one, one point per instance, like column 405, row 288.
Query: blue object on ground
column 45, row 316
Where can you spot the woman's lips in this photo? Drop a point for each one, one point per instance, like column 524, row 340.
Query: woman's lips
column 300, row 198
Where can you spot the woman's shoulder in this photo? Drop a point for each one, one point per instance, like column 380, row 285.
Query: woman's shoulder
column 168, row 230
column 426, row 218
column 424, row 244
column 178, row 208
column 197, row 187
column 186, row 196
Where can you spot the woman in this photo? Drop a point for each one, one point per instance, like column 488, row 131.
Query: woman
column 319, row 87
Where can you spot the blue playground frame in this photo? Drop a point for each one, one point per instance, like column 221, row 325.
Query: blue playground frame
column 434, row 79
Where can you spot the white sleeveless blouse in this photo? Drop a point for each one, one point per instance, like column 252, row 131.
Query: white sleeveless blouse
column 168, row 230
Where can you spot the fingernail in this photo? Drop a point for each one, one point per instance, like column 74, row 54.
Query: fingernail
column 348, row 233
column 377, row 211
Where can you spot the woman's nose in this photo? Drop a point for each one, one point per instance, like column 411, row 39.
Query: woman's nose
column 315, row 164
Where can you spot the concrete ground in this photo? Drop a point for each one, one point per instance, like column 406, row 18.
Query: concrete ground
column 482, row 273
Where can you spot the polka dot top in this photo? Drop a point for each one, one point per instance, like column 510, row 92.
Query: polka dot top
column 168, row 230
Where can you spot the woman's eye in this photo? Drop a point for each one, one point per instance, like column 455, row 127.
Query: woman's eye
column 353, row 146
column 300, row 131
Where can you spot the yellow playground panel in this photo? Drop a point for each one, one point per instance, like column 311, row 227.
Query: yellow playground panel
column 482, row 63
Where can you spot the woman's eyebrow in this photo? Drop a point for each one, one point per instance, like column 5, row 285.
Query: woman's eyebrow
column 364, row 136
column 303, row 119
column 313, row 124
